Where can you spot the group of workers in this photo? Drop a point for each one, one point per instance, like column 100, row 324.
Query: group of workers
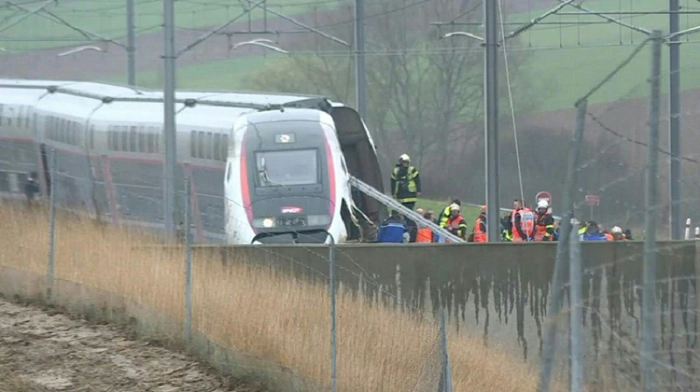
column 521, row 225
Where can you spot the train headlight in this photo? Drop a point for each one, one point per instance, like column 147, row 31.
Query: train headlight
column 268, row 222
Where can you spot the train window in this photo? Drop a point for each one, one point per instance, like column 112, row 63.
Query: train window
column 72, row 132
column 70, row 125
column 289, row 167
column 200, row 144
column 209, row 145
column 223, row 147
column 132, row 139
column 8, row 116
column 142, row 142
column 92, row 137
column 193, row 144
column 124, row 136
column 217, row 150
column 26, row 117
column 35, row 119
column 157, row 141
column 48, row 126
column 117, row 139
column 81, row 133
column 151, row 142
column 58, row 130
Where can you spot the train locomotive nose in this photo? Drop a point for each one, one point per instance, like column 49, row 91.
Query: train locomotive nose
column 292, row 220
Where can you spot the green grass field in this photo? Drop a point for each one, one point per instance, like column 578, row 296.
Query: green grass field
column 107, row 18
column 575, row 69
column 567, row 72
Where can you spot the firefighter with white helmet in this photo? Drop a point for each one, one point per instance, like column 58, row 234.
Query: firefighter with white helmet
column 544, row 222
column 617, row 234
column 405, row 182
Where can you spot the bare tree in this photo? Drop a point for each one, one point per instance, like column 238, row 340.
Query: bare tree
column 425, row 92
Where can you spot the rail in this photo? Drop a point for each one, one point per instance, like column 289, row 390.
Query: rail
column 390, row 202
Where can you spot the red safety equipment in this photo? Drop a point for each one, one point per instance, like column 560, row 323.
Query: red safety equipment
column 541, row 229
column 527, row 224
column 425, row 235
column 480, row 233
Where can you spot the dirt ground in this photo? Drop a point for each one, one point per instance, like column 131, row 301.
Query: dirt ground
column 47, row 351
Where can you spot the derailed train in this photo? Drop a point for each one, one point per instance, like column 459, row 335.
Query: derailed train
column 260, row 166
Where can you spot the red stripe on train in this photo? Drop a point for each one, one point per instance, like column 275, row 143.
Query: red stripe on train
column 331, row 176
column 245, row 186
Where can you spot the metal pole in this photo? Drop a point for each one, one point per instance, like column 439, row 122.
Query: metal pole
column 188, row 267
column 576, row 320
column 360, row 76
column 491, row 119
column 52, row 245
column 675, row 119
column 130, row 42
column 334, row 315
column 446, row 376
column 169, row 120
column 562, row 257
column 648, row 297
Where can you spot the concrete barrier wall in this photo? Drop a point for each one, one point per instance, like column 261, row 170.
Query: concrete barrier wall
column 501, row 291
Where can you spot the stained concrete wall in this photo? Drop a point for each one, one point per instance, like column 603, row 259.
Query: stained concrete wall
column 501, row 291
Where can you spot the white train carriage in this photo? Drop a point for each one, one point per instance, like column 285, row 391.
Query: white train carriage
column 110, row 147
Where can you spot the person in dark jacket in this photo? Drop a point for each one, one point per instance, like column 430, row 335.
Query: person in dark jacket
column 31, row 188
column 593, row 233
column 405, row 182
column 393, row 230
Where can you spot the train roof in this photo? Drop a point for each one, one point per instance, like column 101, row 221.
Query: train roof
column 109, row 93
column 293, row 114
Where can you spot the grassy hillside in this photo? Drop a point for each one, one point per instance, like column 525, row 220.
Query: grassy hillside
column 107, row 18
column 564, row 61
column 574, row 69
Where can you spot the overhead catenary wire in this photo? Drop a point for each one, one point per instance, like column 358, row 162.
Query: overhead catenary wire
column 510, row 100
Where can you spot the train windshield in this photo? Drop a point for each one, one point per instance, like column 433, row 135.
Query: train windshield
column 284, row 168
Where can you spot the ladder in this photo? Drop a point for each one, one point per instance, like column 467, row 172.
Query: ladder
column 390, row 202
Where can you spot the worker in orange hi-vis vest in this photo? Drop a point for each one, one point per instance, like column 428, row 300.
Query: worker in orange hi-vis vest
column 523, row 220
column 456, row 223
column 426, row 234
column 480, row 233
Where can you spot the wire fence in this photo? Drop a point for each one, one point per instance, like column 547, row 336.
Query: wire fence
column 587, row 316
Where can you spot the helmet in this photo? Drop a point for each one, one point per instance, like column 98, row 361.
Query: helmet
column 404, row 158
column 616, row 230
column 542, row 204
column 454, row 207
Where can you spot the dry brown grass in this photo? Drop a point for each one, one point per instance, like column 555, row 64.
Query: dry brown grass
column 258, row 313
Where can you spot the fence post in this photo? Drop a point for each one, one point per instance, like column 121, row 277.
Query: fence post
column 576, row 319
column 334, row 315
column 647, row 366
column 188, row 267
column 562, row 257
column 446, row 375
column 51, row 273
